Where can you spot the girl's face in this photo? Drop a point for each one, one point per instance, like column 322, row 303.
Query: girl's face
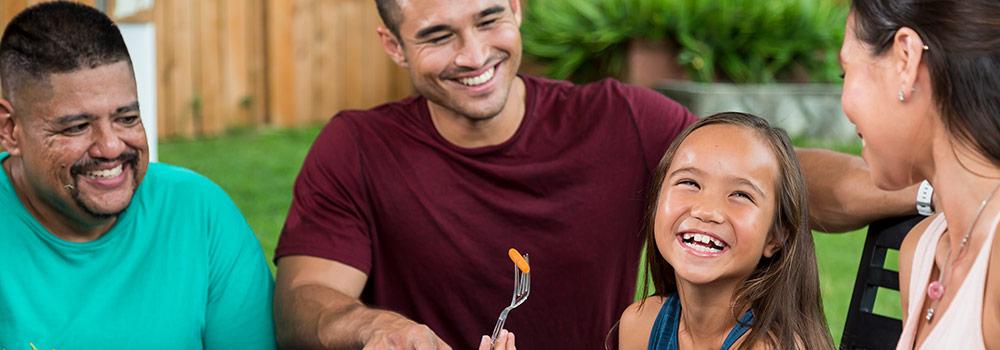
column 717, row 205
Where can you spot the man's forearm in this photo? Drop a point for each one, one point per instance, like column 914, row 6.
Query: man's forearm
column 313, row 316
column 842, row 194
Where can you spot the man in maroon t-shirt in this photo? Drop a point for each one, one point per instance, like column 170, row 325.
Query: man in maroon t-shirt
column 403, row 214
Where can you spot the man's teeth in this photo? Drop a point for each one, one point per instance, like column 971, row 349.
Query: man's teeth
column 481, row 79
column 707, row 243
column 108, row 173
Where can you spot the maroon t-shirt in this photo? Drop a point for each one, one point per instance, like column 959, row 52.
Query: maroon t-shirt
column 431, row 222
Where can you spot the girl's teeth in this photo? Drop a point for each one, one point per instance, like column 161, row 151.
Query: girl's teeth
column 702, row 248
column 705, row 241
column 482, row 78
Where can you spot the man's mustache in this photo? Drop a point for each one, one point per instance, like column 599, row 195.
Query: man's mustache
column 87, row 164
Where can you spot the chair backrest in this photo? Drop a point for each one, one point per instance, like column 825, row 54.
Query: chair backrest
column 864, row 329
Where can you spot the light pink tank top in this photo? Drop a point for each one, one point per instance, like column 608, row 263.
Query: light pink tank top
column 960, row 326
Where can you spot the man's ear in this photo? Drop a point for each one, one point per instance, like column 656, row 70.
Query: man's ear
column 8, row 126
column 515, row 7
column 907, row 55
column 392, row 46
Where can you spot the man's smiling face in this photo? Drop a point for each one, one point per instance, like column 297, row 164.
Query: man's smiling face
column 462, row 55
column 81, row 141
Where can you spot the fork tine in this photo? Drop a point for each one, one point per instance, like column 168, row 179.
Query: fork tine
column 527, row 284
column 527, row 277
column 517, row 283
column 520, row 288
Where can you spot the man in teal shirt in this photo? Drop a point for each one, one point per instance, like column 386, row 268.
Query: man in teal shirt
column 98, row 248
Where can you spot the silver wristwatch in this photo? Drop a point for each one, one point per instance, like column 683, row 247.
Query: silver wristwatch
column 924, row 195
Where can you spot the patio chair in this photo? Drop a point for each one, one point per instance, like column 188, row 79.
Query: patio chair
column 865, row 329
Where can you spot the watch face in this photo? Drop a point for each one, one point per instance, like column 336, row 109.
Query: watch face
column 925, row 195
column 925, row 210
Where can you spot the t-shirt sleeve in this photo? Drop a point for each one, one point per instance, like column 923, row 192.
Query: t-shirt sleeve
column 238, row 314
column 328, row 217
column 658, row 119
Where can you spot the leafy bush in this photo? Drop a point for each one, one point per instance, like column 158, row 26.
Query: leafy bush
column 741, row 41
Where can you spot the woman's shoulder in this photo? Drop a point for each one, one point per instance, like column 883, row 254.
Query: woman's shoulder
column 637, row 322
column 909, row 245
column 906, row 251
column 912, row 237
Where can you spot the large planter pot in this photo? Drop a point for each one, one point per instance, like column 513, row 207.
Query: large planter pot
column 650, row 62
column 804, row 110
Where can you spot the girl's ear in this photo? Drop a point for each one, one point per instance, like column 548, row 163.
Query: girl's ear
column 773, row 246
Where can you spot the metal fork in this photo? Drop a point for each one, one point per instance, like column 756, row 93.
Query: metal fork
column 522, row 287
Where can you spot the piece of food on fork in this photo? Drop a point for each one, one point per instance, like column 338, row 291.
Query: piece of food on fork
column 519, row 260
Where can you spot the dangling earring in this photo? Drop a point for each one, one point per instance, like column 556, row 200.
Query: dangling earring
column 901, row 97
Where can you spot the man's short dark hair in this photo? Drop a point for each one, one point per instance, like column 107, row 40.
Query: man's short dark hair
column 57, row 37
column 391, row 15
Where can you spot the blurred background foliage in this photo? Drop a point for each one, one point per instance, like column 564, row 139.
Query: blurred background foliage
column 735, row 41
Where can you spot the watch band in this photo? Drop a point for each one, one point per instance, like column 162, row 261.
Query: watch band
column 924, row 197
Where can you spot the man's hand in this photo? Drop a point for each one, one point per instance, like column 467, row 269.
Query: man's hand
column 401, row 333
column 505, row 341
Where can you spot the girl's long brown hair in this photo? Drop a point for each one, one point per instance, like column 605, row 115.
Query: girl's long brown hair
column 783, row 291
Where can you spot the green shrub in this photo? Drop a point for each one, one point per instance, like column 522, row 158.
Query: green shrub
column 742, row 41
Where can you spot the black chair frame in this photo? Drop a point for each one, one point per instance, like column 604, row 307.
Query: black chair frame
column 864, row 329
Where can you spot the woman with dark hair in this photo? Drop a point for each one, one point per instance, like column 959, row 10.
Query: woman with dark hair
column 922, row 84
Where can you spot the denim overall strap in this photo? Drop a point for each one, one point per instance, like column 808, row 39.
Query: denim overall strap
column 664, row 333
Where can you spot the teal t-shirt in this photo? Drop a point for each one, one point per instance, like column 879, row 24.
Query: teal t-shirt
column 181, row 269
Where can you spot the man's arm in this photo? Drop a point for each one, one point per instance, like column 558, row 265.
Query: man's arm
column 842, row 194
column 316, row 306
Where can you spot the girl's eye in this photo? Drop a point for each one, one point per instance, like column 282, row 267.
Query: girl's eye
column 487, row 22
column 688, row 182
column 744, row 195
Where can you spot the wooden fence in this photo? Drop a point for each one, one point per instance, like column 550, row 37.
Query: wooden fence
column 250, row 63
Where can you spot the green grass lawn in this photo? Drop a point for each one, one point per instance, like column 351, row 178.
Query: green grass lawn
column 258, row 168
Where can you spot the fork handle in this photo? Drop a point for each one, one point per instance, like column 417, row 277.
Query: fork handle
column 499, row 325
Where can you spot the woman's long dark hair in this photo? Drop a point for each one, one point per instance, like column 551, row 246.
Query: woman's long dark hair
column 783, row 291
column 963, row 37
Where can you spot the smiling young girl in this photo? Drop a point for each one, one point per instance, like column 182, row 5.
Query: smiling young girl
column 730, row 253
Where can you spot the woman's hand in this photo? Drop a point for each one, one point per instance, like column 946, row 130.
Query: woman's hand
column 505, row 341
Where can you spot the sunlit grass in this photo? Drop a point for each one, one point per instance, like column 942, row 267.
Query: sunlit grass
column 256, row 168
